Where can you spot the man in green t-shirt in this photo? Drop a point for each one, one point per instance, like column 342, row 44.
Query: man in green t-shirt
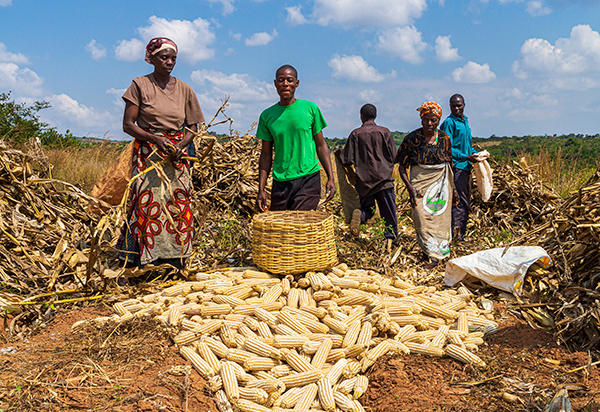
column 292, row 131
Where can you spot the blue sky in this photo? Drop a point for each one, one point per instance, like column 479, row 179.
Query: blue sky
column 524, row 66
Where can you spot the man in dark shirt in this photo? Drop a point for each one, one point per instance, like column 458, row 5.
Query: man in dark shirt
column 371, row 150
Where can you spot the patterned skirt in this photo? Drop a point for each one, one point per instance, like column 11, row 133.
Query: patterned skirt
column 159, row 218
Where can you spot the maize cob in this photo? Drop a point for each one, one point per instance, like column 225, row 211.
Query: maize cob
column 268, row 385
column 255, row 274
column 405, row 332
column 303, row 283
column 346, row 386
column 256, row 395
column 436, row 311
column 308, row 396
column 343, row 402
column 217, row 347
column 246, row 332
column 365, row 334
column 360, row 387
column 282, row 329
column 273, row 294
column 174, row 290
column 215, row 383
column 398, row 347
column 245, row 405
column 262, row 349
column 454, row 337
column 352, row 368
column 424, row 349
column 208, row 355
column 251, row 322
column 320, row 337
column 322, row 295
column 245, row 310
column 230, row 383
column 198, row 363
column 239, row 355
column 314, row 326
column 315, row 281
column 293, row 297
column 290, row 397
column 300, row 312
column 440, row 338
column 292, row 323
column 473, row 340
column 322, row 353
column 266, row 317
column 301, row 378
column 393, row 291
column 296, row 361
column 455, row 305
column 335, row 325
column 264, row 331
column 351, row 334
column 285, row 285
column 354, row 351
column 281, row 370
column 227, row 335
column 229, row 300
column 311, row 347
column 463, row 355
column 222, row 402
column 318, row 312
column 375, row 353
column 336, row 371
column 289, row 341
column 357, row 406
column 326, row 394
column 259, row 363
column 463, row 324
column 335, row 355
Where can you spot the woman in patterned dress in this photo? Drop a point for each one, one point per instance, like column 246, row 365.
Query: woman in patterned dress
column 157, row 107
column 427, row 151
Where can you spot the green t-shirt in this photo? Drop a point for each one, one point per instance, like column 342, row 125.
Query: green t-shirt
column 292, row 129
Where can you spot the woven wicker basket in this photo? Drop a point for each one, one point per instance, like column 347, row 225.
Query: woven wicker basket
column 292, row 242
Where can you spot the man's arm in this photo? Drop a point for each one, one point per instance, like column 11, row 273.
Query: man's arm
column 325, row 159
column 264, row 168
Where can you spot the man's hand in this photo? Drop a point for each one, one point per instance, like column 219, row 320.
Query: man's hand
column 261, row 201
column 413, row 194
column 329, row 190
column 472, row 158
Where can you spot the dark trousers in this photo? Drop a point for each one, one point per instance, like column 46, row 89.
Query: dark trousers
column 386, row 201
column 460, row 213
column 303, row 193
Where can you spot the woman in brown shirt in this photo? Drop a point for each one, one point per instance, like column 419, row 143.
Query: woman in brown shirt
column 157, row 107
column 427, row 151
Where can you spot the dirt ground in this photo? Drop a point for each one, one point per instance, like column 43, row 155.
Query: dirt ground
column 135, row 367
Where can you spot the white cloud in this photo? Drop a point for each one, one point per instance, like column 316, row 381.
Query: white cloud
column 9, row 57
column 129, row 50
column 4, row 3
column 96, row 50
column 117, row 93
column 537, row 8
column 78, row 113
column 240, row 86
column 354, row 68
column 572, row 62
column 369, row 95
column 473, row 73
column 19, row 79
column 193, row 38
column 444, row 50
column 404, row 42
column 295, row 16
column 228, row 7
column 261, row 39
column 367, row 12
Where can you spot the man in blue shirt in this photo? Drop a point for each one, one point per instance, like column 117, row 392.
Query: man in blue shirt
column 457, row 127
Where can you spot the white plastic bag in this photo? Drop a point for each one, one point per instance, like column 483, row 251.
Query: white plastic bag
column 483, row 179
column 503, row 272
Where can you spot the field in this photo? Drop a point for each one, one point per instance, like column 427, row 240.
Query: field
column 134, row 365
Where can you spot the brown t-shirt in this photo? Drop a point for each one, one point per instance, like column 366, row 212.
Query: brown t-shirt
column 371, row 149
column 414, row 150
column 163, row 110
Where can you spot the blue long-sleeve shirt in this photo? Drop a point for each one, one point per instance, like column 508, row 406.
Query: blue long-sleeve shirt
column 462, row 143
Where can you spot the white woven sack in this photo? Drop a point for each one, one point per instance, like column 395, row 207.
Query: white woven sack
column 483, row 179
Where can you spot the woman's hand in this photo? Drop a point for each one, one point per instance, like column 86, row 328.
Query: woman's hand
column 455, row 198
column 472, row 158
column 163, row 144
column 261, row 201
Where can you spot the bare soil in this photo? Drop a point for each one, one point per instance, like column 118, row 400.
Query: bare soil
column 136, row 367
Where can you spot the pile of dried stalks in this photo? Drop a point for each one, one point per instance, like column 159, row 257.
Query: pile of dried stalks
column 44, row 231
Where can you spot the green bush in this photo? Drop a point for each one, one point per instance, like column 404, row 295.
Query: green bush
column 20, row 122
